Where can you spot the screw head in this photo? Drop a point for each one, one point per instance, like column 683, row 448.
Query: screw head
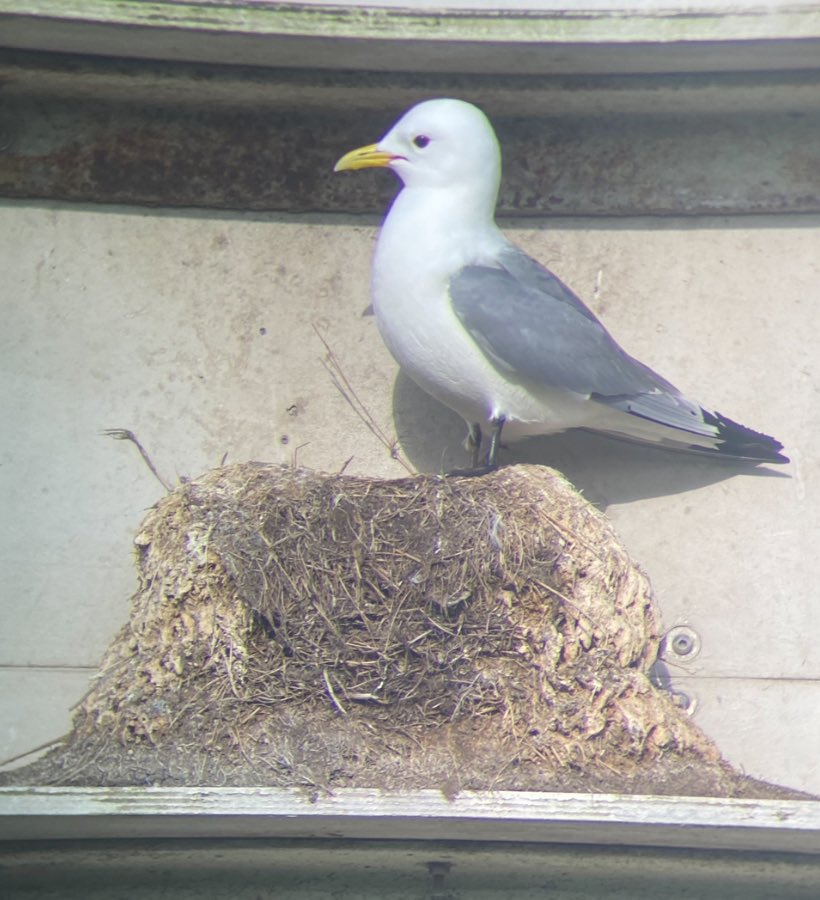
column 681, row 644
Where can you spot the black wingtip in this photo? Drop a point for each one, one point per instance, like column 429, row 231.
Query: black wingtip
column 736, row 441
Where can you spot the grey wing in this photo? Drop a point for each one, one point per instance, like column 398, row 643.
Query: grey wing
column 532, row 326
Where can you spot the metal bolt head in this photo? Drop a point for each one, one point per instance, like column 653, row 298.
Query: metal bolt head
column 681, row 644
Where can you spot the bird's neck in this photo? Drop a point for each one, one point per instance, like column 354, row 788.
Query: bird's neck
column 454, row 226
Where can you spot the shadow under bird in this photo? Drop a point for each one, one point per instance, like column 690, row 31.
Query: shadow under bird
column 489, row 331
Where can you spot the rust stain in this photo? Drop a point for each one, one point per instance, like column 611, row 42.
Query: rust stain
column 254, row 160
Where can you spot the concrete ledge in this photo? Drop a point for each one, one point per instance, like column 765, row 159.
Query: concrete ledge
column 588, row 39
column 89, row 813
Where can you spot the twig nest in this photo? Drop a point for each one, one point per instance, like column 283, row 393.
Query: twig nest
column 292, row 628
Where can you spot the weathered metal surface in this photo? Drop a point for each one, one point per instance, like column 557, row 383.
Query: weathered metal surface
column 120, row 131
column 281, row 160
column 481, row 37
column 141, row 82
column 434, row 870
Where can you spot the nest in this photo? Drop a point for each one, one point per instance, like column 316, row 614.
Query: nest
column 293, row 628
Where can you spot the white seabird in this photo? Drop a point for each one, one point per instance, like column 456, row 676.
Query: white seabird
column 490, row 332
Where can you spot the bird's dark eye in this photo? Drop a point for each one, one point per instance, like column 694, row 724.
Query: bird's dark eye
column 421, row 141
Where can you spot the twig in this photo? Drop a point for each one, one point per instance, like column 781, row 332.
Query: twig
column 229, row 671
column 11, row 759
column 581, row 612
column 124, row 434
column 333, row 696
column 346, row 389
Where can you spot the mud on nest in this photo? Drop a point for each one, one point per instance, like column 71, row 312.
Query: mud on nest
column 293, row 628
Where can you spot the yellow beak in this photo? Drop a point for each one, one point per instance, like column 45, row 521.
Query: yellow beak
column 368, row 157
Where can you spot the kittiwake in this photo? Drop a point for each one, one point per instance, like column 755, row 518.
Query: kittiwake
column 490, row 332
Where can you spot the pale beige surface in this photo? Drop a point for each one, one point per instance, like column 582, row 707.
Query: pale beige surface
column 196, row 331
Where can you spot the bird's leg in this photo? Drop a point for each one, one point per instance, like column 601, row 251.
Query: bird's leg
column 495, row 441
column 473, row 443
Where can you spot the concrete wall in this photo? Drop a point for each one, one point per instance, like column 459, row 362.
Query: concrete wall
column 198, row 332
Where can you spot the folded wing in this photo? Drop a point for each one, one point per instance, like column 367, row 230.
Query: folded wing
column 533, row 328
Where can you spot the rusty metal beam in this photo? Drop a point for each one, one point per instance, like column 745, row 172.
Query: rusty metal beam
column 113, row 132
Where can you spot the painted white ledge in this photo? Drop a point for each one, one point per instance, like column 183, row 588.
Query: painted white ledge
column 87, row 813
column 487, row 38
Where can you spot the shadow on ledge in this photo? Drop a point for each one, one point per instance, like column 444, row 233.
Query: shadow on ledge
column 603, row 469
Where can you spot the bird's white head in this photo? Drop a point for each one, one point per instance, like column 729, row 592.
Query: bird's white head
column 439, row 143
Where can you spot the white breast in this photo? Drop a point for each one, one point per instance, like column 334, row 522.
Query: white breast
column 415, row 257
